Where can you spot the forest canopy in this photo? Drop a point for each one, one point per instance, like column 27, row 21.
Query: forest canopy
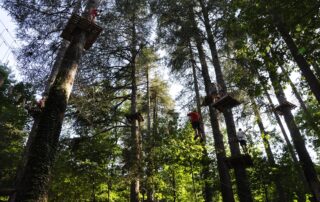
column 94, row 117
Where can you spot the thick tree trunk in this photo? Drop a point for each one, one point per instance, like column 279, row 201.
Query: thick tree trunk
column 244, row 191
column 35, row 178
column 298, row 57
column 272, row 162
column 302, row 104
column 225, row 179
column 33, row 185
column 54, row 71
column 284, row 133
column 288, row 142
column 55, row 67
column 298, row 141
column 136, row 147
column 205, row 161
column 135, row 143
column 149, row 147
column 135, row 136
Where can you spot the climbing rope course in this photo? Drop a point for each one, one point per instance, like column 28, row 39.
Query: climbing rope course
column 8, row 43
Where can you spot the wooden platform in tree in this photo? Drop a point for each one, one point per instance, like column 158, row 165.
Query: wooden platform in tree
column 77, row 22
column 242, row 160
column 285, row 105
column 226, row 102
column 132, row 117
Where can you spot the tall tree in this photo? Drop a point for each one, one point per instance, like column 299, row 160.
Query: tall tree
column 264, row 136
column 244, row 191
column 297, row 138
column 35, row 179
column 208, row 192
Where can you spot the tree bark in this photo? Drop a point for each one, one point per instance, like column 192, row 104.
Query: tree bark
column 302, row 104
column 302, row 63
column 272, row 162
column 135, row 136
column 149, row 147
column 35, row 178
column 288, row 142
column 54, row 71
column 298, row 141
column 243, row 187
column 225, row 179
column 205, row 161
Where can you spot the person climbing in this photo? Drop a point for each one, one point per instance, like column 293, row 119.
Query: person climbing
column 241, row 136
column 35, row 108
column 41, row 102
column 195, row 120
column 93, row 14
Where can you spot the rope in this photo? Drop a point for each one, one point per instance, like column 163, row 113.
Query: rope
column 7, row 30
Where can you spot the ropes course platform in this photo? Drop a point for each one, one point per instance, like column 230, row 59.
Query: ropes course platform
column 283, row 106
column 226, row 102
column 77, row 22
column 242, row 160
column 136, row 116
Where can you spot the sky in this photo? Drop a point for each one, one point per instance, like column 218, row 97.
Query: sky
column 8, row 42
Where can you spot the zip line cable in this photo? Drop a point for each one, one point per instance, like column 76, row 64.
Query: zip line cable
column 7, row 30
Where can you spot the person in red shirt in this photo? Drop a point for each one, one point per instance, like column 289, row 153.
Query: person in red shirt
column 195, row 120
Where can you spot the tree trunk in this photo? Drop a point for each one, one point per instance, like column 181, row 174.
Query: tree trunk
column 205, row 161
column 263, row 133
column 135, row 138
column 302, row 104
column 288, row 142
column 298, row 141
column 54, row 71
column 55, row 68
column 244, row 191
column 35, row 178
column 149, row 147
column 225, row 179
column 298, row 57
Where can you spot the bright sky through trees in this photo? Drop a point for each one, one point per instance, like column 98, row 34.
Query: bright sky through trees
column 8, row 41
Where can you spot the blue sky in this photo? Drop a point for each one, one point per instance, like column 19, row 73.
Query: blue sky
column 8, row 42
